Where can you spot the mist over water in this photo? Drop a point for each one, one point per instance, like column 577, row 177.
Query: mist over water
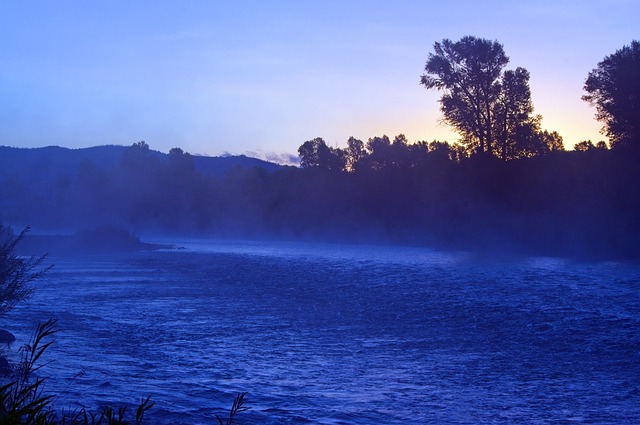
column 336, row 334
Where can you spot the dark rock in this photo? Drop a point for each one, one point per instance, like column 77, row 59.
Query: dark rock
column 6, row 337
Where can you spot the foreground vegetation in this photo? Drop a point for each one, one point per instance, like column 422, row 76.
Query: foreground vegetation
column 24, row 400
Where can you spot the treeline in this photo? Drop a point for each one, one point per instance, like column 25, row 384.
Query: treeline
column 583, row 203
column 508, row 185
column 382, row 152
column 141, row 189
column 576, row 203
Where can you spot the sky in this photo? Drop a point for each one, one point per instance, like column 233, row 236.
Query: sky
column 262, row 77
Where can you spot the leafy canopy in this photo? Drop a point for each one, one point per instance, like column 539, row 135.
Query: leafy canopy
column 613, row 87
column 489, row 107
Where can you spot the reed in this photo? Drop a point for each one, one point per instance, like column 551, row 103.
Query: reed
column 23, row 400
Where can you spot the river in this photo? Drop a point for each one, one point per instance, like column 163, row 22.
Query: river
column 341, row 334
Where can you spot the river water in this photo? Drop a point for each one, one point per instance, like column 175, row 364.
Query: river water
column 338, row 334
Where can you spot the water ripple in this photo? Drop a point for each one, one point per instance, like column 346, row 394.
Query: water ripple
column 338, row 335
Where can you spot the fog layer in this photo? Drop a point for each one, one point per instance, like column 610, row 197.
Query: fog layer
column 583, row 204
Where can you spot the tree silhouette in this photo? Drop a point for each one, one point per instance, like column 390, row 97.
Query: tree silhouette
column 441, row 151
column 512, row 111
column 491, row 109
column 380, row 152
column 181, row 162
column 316, row 154
column 142, row 145
column 468, row 73
column 614, row 89
column 354, row 152
column 530, row 140
column 16, row 272
column 587, row 145
column 553, row 141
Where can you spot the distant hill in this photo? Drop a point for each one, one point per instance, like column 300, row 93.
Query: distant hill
column 51, row 161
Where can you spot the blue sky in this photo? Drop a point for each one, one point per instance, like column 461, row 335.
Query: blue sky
column 262, row 77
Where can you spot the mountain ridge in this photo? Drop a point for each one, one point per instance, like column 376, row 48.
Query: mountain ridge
column 51, row 160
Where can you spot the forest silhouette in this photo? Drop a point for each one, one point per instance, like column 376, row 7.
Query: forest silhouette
column 507, row 186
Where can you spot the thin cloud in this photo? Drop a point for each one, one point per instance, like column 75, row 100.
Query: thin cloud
column 279, row 158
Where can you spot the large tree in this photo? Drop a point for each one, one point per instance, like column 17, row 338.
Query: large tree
column 468, row 72
column 485, row 104
column 614, row 89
